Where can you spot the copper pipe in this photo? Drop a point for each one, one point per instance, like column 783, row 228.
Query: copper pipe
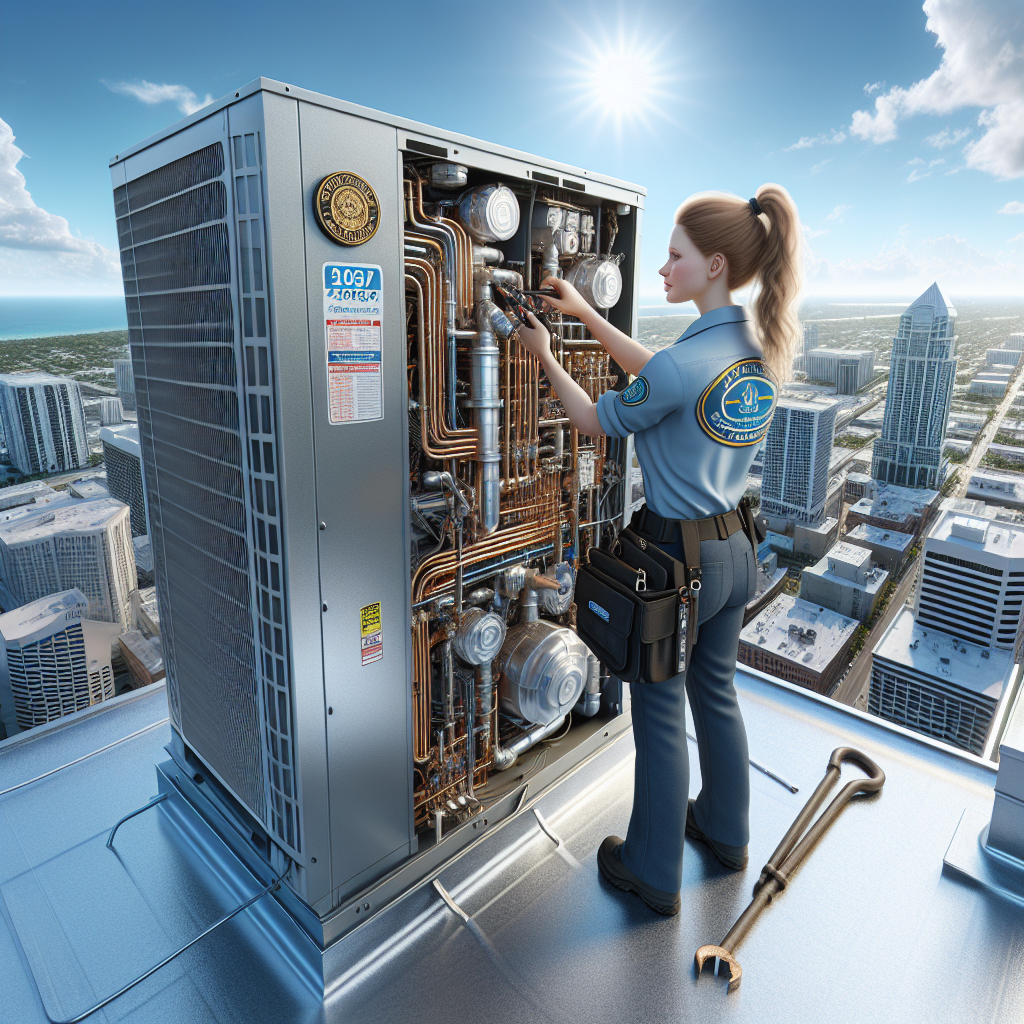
column 439, row 442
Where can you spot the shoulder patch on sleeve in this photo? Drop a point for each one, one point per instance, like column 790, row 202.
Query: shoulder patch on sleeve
column 636, row 393
column 736, row 407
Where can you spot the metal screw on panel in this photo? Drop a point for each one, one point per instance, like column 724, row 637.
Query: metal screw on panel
column 325, row 607
column 330, row 711
column 323, row 526
column 312, row 860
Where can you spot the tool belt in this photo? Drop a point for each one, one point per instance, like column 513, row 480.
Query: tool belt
column 636, row 605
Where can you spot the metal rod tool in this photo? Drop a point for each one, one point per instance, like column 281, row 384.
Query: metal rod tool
column 793, row 849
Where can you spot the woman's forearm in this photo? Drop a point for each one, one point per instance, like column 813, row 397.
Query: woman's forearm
column 582, row 412
column 629, row 354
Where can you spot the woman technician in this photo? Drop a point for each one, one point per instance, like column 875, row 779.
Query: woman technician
column 698, row 410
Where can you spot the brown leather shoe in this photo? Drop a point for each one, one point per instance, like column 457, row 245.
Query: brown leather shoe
column 732, row 857
column 614, row 871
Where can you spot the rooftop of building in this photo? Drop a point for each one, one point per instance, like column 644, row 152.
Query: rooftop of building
column 827, row 525
column 848, row 353
column 796, row 630
column 1008, row 479
column 979, row 534
column 545, row 939
column 76, row 516
column 122, row 435
column 91, row 488
column 894, row 502
column 981, row 670
column 883, row 538
column 30, row 379
column 29, row 619
column 843, row 562
column 822, row 404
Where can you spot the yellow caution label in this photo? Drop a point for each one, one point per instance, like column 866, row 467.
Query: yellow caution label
column 371, row 635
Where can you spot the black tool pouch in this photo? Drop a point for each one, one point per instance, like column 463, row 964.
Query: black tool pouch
column 634, row 631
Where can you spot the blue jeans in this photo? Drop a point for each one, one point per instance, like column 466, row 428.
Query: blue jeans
column 653, row 849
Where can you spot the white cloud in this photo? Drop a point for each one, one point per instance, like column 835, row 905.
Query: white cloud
column 917, row 174
column 831, row 138
column 1013, row 206
column 899, row 269
column 916, row 162
column 837, row 213
column 947, row 138
column 874, row 87
column 810, row 232
column 822, row 165
column 150, row 93
column 31, row 238
column 935, row 163
column 982, row 66
column 1016, row 238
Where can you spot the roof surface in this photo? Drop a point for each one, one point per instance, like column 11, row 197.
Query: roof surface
column 933, row 296
column 870, row 929
column 81, row 516
column 954, row 662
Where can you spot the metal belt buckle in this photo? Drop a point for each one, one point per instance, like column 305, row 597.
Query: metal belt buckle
column 641, row 580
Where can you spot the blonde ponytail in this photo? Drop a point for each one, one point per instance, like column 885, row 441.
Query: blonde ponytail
column 719, row 222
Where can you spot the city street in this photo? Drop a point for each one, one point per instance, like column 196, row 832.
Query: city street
column 985, row 438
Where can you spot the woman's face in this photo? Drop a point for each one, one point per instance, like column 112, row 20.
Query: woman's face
column 686, row 272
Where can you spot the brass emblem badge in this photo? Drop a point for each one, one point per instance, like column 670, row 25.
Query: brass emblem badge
column 346, row 208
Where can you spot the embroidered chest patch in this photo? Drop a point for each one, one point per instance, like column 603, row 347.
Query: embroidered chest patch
column 736, row 407
column 636, row 393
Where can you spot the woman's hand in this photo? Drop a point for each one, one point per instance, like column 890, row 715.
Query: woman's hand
column 534, row 337
column 568, row 301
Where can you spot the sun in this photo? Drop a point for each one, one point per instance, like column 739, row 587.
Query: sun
column 619, row 80
column 621, row 83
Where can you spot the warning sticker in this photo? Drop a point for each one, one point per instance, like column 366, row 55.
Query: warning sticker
column 371, row 635
column 353, row 307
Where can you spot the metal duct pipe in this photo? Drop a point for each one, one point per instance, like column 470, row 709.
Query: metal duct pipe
column 486, row 401
column 590, row 700
column 505, row 757
column 485, row 706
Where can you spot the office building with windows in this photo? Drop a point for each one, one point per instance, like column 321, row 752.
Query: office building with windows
column 794, row 484
column 810, row 341
column 123, row 458
column 921, row 377
column 85, row 544
column 55, row 661
column 1015, row 341
column 44, row 422
column 972, row 580
column 110, row 412
column 849, row 369
column 1002, row 356
column 934, row 683
column 124, row 379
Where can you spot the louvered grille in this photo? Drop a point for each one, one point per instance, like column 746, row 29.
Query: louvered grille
column 177, row 269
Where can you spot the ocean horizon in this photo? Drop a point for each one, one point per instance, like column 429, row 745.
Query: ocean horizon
column 35, row 316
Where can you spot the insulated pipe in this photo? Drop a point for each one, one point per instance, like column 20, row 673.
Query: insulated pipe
column 485, row 701
column 590, row 700
column 505, row 757
column 486, row 401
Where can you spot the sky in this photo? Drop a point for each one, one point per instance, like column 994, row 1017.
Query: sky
column 898, row 129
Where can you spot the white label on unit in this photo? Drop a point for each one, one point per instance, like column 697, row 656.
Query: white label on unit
column 353, row 307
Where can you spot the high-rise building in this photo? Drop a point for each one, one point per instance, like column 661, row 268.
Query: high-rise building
column 44, row 422
column 797, row 450
column 56, row 662
column 972, row 580
column 85, row 544
column 124, row 379
column 830, row 363
column 934, row 683
column 810, row 341
column 110, row 412
column 921, row 377
column 1014, row 341
column 123, row 458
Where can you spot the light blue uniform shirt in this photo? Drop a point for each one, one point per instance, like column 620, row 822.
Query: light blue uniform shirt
column 698, row 410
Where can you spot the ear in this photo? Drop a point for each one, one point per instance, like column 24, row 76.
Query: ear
column 716, row 267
